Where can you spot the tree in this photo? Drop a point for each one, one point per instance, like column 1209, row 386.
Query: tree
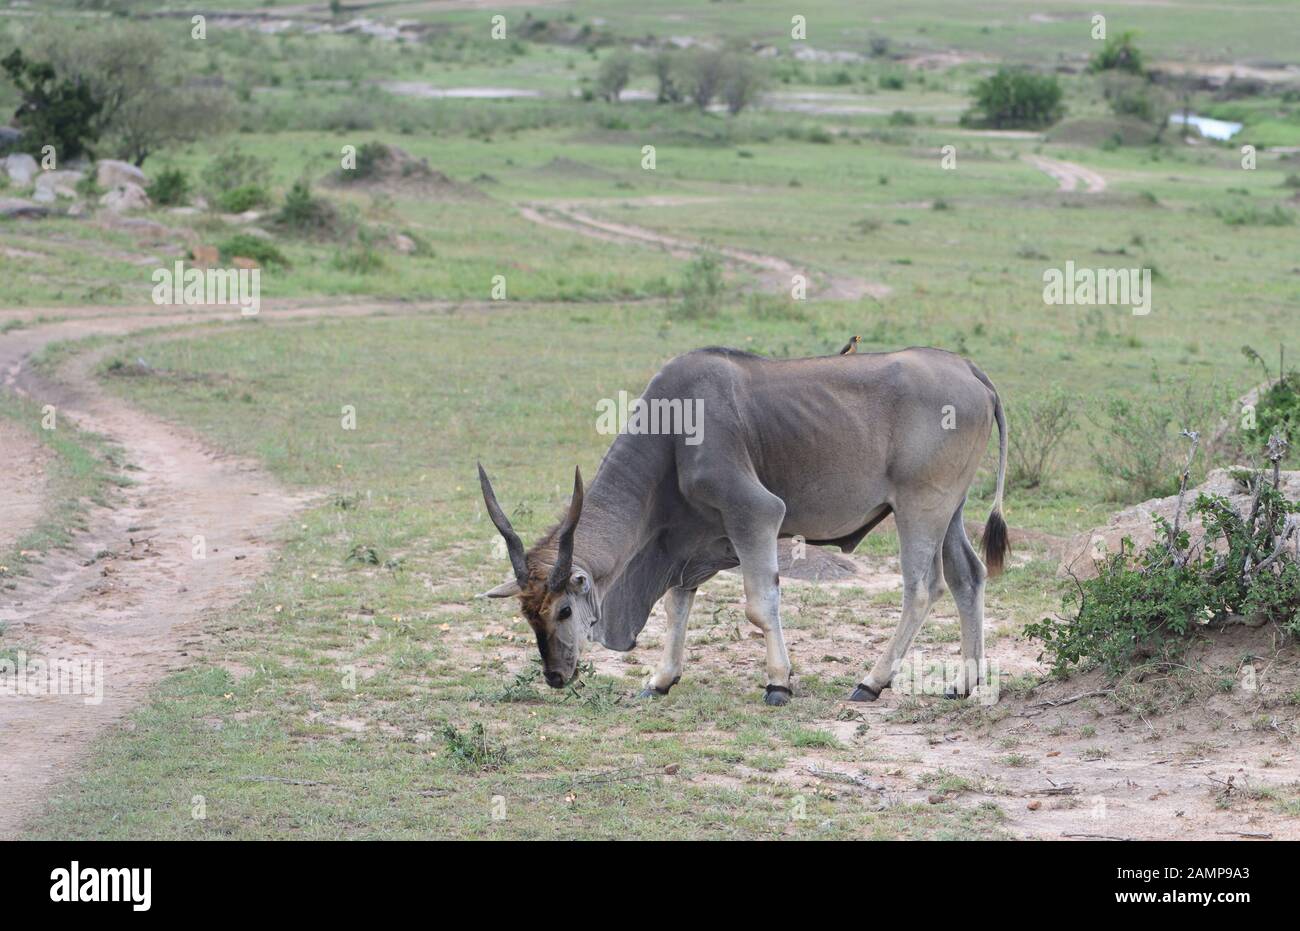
column 147, row 103
column 664, row 66
column 57, row 111
column 615, row 72
column 741, row 84
column 703, row 74
column 1014, row 99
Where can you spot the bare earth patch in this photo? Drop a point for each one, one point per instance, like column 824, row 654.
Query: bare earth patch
column 1180, row 754
column 23, row 464
column 1068, row 175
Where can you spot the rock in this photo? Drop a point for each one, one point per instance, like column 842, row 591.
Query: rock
column 58, row 183
column 1034, row 805
column 241, row 219
column 1137, row 522
column 125, row 197
column 402, row 243
column 22, row 168
column 145, row 231
column 44, row 195
column 12, row 207
column 78, row 210
column 185, row 211
column 110, row 173
column 206, row 255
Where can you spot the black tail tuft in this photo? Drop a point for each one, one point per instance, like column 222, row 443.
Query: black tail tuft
column 994, row 543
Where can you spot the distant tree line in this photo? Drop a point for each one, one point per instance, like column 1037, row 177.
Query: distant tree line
column 699, row 76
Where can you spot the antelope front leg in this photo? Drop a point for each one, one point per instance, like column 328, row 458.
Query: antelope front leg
column 677, row 604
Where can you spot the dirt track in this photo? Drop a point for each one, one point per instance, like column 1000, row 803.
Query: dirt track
column 1068, row 175
column 775, row 274
column 129, row 592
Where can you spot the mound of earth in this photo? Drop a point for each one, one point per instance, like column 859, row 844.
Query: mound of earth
column 392, row 169
column 1137, row 523
column 1095, row 131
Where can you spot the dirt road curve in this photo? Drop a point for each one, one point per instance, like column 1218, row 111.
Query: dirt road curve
column 137, row 608
column 1068, row 175
column 775, row 274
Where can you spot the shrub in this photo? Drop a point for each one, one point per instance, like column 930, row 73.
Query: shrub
column 1143, row 604
column 1277, row 412
column 262, row 251
column 1040, row 426
column 1140, row 447
column 701, row 288
column 307, row 214
column 233, row 169
column 1250, row 215
column 169, row 188
column 1015, row 98
column 244, row 197
column 359, row 258
column 1118, row 54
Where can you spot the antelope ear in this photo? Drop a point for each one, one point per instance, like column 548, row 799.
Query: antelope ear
column 579, row 582
column 504, row 590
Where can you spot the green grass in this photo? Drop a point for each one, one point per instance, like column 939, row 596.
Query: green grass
column 83, row 469
column 360, row 690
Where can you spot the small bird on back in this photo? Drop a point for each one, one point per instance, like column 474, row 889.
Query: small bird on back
column 851, row 346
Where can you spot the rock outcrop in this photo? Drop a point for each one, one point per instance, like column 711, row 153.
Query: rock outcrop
column 1138, row 524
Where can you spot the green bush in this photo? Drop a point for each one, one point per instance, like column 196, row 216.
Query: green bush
column 307, row 214
column 1142, row 605
column 1118, row 54
column 169, row 188
column 235, row 181
column 359, row 258
column 240, row 199
column 701, row 289
column 1140, row 449
column 1250, row 215
column 262, row 251
column 1277, row 412
column 1015, row 99
column 1040, row 426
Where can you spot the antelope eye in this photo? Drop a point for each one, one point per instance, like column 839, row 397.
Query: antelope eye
column 565, row 613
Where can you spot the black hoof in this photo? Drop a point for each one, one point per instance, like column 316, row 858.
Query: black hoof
column 777, row 695
column 951, row 693
column 864, row 693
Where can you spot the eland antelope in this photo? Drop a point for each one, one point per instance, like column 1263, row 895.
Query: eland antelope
column 823, row 448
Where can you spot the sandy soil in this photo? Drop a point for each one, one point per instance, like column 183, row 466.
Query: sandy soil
column 23, row 464
column 1071, row 759
column 773, row 273
column 1068, row 175
column 129, row 592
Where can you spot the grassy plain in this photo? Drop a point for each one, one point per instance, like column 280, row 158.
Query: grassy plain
column 361, row 690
